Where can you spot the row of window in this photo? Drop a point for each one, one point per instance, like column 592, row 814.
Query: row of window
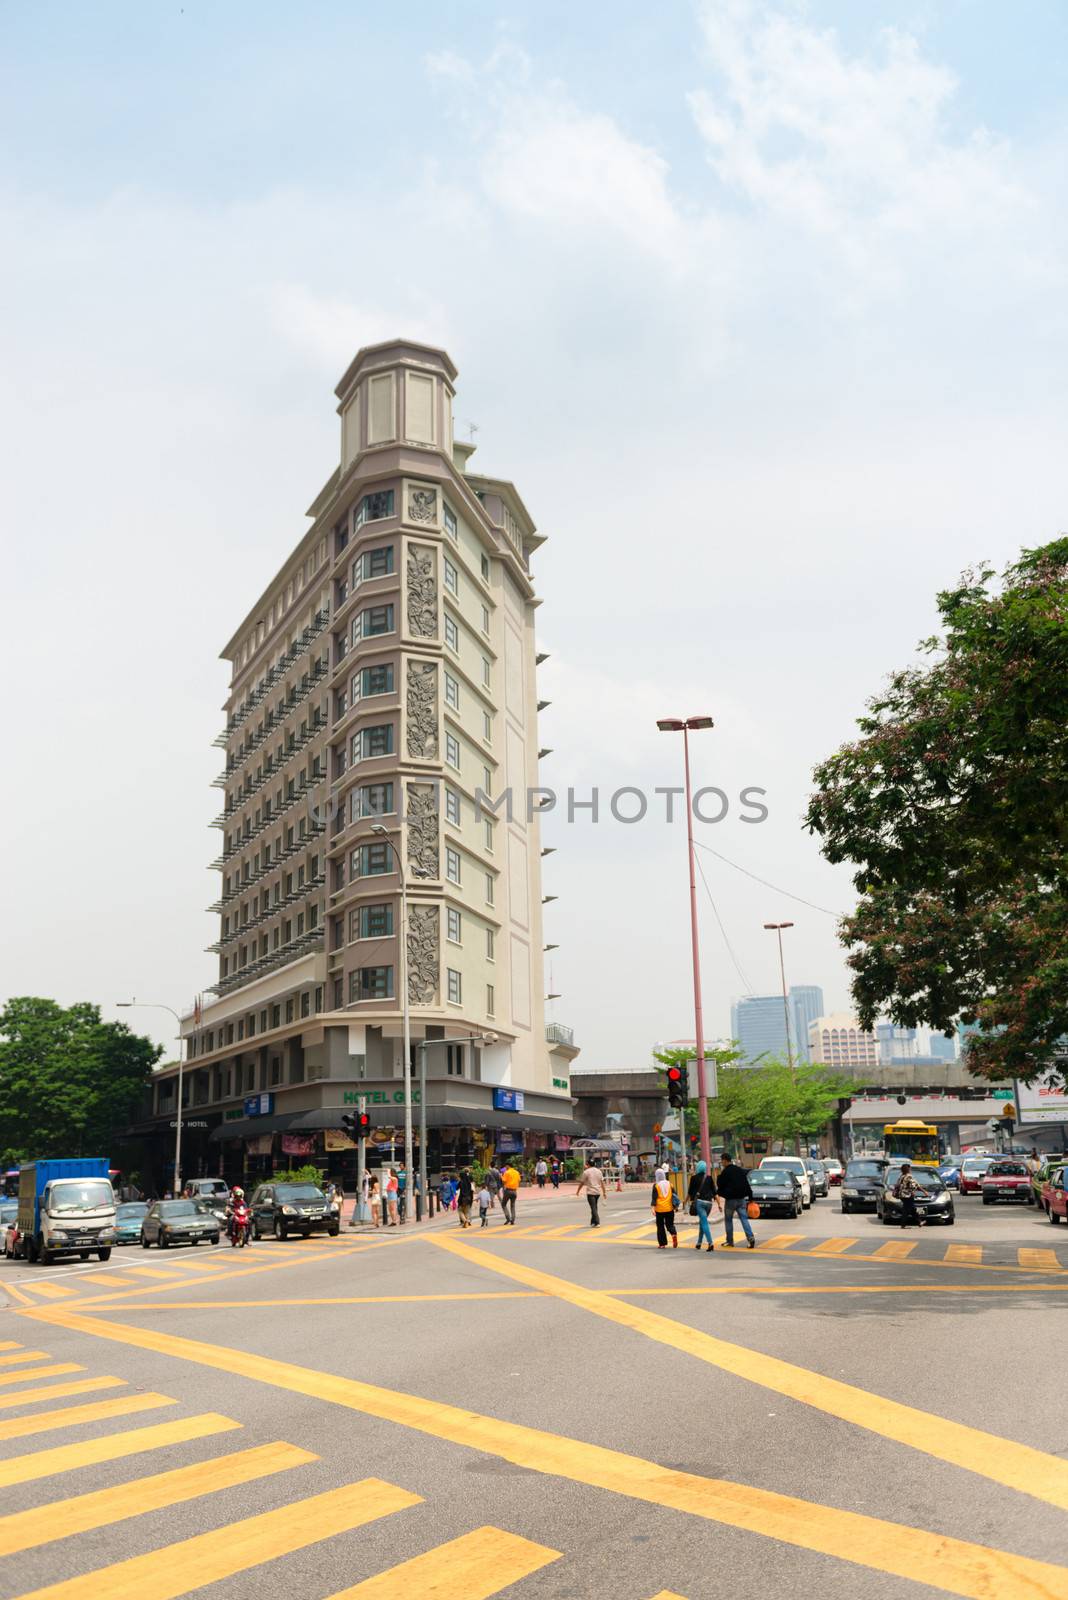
column 247, row 1027
column 376, row 983
column 278, row 939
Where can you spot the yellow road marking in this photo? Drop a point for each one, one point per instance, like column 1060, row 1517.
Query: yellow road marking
column 19, row 1294
column 568, row 1229
column 10, row 1344
column 58, row 1370
column 1017, row 1466
column 209, row 1557
column 477, row 1566
column 896, row 1250
column 780, row 1241
column 112, row 1279
column 964, row 1252
column 112, row 1447
column 668, row 1594
column 72, row 1415
column 644, row 1231
column 153, row 1272
column 49, row 1290
column 955, row 1566
column 333, row 1300
column 1046, row 1259
column 24, row 1530
column 58, row 1391
column 23, row 1355
column 834, row 1247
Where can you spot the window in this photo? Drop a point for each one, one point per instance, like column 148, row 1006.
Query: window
column 489, row 888
column 370, row 860
column 454, row 925
column 489, row 999
column 486, row 671
column 373, row 741
column 373, row 800
column 454, row 1060
column 489, row 945
column 452, row 751
column 371, row 681
column 341, row 534
column 452, row 806
column 373, row 507
column 487, row 782
column 488, row 826
column 305, row 1004
column 339, row 994
column 452, row 577
column 487, row 727
column 452, row 692
column 452, row 865
column 449, row 516
column 452, row 634
column 371, row 983
column 375, row 921
column 485, row 619
column 276, row 1016
column 289, row 1010
column 455, row 986
column 485, row 568
column 375, row 620
column 377, row 563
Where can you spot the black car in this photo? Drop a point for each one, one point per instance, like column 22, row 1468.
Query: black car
column 862, row 1183
column 285, row 1208
column 777, row 1192
column 172, row 1221
column 934, row 1203
column 818, row 1178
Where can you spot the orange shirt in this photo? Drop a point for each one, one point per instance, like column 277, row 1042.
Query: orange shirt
column 510, row 1178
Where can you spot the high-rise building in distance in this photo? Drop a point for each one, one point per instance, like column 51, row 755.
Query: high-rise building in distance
column 758, row 1022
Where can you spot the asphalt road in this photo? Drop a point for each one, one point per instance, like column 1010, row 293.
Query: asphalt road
column 545, row 1411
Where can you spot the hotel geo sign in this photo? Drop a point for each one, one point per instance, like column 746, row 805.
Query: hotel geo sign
column 378, row 1097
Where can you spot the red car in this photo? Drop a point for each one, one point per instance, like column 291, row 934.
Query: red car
column 1007, row 1180
column 972, row 1172
column 1055, row 1195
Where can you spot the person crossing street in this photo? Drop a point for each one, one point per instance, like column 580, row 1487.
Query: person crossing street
column 663, row 1208
column 509, row 1184
column 701, row 1196
column 593, row 1186
column 732, row 1181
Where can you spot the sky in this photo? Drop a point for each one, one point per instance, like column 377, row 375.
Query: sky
column 761, row 306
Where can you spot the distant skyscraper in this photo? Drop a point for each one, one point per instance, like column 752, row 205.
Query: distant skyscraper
column 838, row 1040
column 806, row 1004
column 759, row 1022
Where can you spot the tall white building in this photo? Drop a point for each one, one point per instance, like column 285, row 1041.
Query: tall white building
column 838, row 1040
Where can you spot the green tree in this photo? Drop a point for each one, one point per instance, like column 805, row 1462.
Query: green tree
column 792, row 1103
column 68, row 1081
column 953, row 803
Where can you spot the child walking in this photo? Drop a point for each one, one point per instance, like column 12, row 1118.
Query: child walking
column 485, row 1200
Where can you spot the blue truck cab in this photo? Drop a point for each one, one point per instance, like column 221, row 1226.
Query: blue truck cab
column 66, row 1207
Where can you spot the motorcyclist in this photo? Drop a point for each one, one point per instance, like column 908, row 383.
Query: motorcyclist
column 235, row 1202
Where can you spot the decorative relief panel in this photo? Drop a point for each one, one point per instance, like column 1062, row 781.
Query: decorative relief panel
column 423, row 710
column 421, row 816
column 422, row 505
column 424, row 956
column 422, row 593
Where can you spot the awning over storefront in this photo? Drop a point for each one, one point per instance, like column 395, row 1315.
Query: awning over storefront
column 250, row 1127
column 393, row 1117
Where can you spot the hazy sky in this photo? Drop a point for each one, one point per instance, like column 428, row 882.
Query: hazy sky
column 761, row 306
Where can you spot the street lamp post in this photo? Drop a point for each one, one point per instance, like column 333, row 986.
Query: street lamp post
column 379, row 829
column 777, row 929
column 685, row 726
column 152, row 1005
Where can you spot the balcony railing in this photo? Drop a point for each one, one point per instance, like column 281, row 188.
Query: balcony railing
column 278, row 958
column 557, row 1033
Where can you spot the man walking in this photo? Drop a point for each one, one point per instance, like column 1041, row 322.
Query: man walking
column 509, row 1184
column 541, row 1171
column 735, row 1193
column 593, row 1186
column 906, row 1189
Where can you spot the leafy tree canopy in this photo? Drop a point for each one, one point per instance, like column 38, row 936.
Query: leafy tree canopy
column 785, row 1102
column 68, row 1082
column 953, row 803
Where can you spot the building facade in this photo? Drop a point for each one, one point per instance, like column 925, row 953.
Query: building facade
column 383, row 701
column 838, row 1040
column 758, row 1022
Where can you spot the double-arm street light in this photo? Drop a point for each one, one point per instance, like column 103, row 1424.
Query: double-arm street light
column 153, row 1005
column 685, row 726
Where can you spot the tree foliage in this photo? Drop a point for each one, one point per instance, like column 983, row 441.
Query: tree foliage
column 68, row 1082
column 953, row 803
column 787, row 1103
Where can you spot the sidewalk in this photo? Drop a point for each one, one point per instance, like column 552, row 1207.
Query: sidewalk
column 532, row 1204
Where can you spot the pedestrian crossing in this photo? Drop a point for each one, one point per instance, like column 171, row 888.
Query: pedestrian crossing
column 479, row 1563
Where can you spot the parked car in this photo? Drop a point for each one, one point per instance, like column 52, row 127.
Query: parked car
column 835, row 1170
column 128, row 1219
column 1007, row 1180
column 821, row 1183
column 285, row 1208
column 1055, row 1195
column 949, row 1172
column 9, row 1211
column 792, row 1164
column 777, row 1192
column 934, row 1204
column 172, row 1221
column 972, row 1169
column 1044, row 1175
column 862, row 1183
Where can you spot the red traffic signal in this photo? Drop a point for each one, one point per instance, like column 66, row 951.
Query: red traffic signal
column 363, row 1124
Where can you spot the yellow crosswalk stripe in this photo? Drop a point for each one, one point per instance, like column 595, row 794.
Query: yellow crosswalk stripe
column 668, row 1594
column 57, row 1391
column 111, row 1280
column 24, row 1530
column 48, row 1290
column 478, row 1565
column 833, row 1247
column 643, row 1232
column 10, row 1344
column 58, row 1370
column 896, row 1250
column 209, row 1557
column 566, row 1232
column 1039, row 1258
column 71, row 1416
column 112, row 1447
column 151, row 1272
column 23, row 1355
column 970, row 1253
column 780, row 1241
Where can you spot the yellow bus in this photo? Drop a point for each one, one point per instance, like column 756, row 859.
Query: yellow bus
column 911, row 1141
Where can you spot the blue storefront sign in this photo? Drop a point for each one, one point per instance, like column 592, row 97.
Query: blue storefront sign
column 507, row 1099
column 259, row 1105
column 509, row 1144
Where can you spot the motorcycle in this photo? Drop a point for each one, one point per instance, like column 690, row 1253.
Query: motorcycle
column 240, row 1226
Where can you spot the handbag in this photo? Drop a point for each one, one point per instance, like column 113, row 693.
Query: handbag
column 752, row 1210
column 693, row 1208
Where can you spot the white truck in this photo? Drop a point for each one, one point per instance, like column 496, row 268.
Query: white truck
column 65, row 1207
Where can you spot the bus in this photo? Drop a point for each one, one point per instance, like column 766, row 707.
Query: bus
column 911, row 1141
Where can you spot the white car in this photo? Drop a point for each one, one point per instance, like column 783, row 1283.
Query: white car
column 795, row 1165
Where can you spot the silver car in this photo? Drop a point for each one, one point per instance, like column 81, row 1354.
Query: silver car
column 176, row 1222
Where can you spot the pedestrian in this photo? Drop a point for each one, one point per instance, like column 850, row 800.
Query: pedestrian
column 663, row 1205
column 510, row 1181
column 485, row 1200
column 541, row 1171
column 392, row 1192
column 593, row 1186
column 701, row 1195
column 735, row 1193
column 554, row 1172
column 402, row 1192
column 374, row 1196
column 493, row 1181
column 906, row 1189
column 465, row 1194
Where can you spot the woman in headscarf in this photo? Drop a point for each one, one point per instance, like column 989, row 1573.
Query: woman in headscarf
column 701, row 1194
column 663, row 1204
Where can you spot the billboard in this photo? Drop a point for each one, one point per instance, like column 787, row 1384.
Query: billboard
column 1045, row 1100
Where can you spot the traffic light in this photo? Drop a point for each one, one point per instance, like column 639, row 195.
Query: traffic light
column 348, row 1122
column 678, row 1080
column 357, row 1126
column 363, row 1124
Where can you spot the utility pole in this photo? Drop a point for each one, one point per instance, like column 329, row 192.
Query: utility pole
column 776, row 928
column 361, row 1162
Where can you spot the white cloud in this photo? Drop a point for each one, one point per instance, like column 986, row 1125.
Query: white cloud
column 330, row 329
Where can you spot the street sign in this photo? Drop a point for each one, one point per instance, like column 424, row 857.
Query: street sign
column 507, row 1099
column 259, row 1105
